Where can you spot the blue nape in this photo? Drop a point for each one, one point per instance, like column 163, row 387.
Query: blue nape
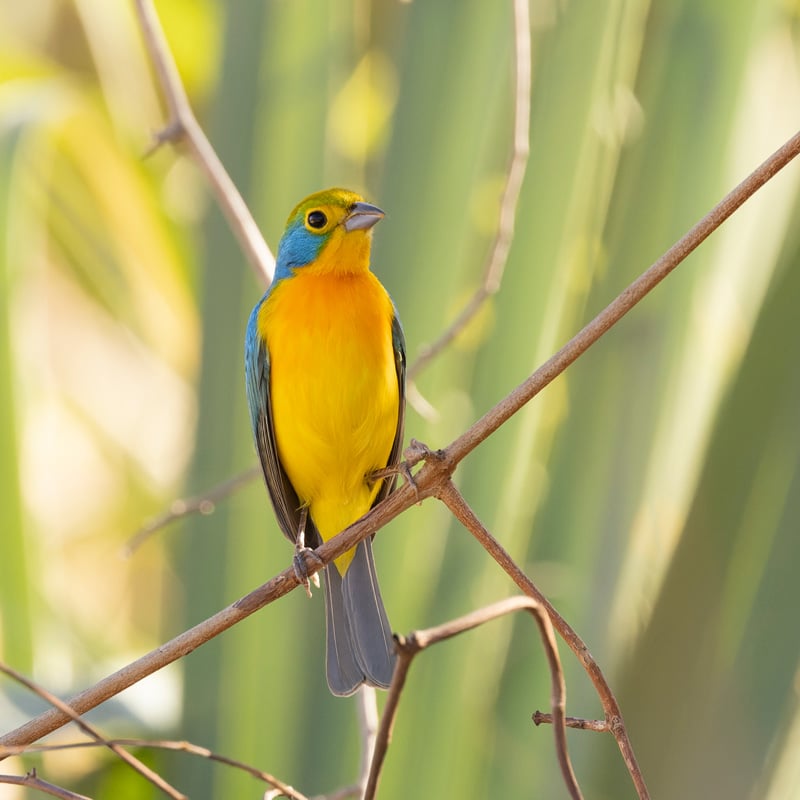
column 297, row 247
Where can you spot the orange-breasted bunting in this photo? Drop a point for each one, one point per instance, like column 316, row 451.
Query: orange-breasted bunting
column 325, row 371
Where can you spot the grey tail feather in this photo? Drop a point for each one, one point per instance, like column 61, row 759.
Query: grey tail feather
column 360, row 647
column 344, row 674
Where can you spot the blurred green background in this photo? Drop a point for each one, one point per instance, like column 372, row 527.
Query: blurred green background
column 652, row 492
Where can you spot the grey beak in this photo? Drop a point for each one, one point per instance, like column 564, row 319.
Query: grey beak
column 362, row 217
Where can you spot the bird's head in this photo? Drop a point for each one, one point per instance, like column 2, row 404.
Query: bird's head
column 328, row 232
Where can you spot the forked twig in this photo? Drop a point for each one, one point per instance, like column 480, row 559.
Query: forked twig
column 453, row 499
column 90, row 730
column 408, row 647
column 165, row 744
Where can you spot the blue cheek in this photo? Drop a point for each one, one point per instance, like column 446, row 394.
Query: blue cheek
column 297, row 248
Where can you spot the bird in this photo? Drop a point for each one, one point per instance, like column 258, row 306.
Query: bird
column 325, row 368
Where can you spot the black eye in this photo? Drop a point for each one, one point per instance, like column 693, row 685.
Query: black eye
column 316, row 219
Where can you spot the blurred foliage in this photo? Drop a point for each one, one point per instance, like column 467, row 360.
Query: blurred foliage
column 652, row 492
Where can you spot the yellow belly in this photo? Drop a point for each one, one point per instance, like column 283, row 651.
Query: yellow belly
column 334, row 392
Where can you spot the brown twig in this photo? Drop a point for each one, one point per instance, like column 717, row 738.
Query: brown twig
column 453, row 499
column 624, row 302
column 496, row 263
column 32, row 781
column 596, row 725
column 90, row 730
column 182, row 126
column 165, row 744
column 408, row 647
column 204, row 503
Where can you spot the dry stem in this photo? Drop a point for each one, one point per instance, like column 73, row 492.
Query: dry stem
column 90, row 730
column 408, row 647
column 32, row 781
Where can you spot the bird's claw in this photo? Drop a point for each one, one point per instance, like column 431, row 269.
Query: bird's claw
column 300, row 563
column 302, row 554
column 415, row 452
column 405, row 471
column 418, row 451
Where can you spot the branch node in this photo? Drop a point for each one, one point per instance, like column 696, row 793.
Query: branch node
column 418, row 451
column 407, row 645
column 596, row 725
column 615, row 725
column 172, row 133
column 306, row 564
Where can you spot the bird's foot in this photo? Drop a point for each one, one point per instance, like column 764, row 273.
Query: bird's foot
column 304, row 557
column 415, row 452
column 418, row 451
column 398, row 469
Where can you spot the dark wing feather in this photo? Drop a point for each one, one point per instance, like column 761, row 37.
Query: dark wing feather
column 399, row 345
column 282, row 494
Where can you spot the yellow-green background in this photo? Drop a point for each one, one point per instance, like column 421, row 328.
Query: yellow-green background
column 652, row 492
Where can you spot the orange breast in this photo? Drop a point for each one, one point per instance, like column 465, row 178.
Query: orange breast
column 334, row 391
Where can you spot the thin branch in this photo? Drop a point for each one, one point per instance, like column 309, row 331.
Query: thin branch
column 496, row 263
column 453, row 499
column 182, row 126
column 596, row 725
column 165, row 744
column 90, row 730
column 354, row 790
column 201, row 633
column 624, row 302
column 408, row 647
column 32, row 781
column 367, row 708
column 204, row 503
column 187, row 747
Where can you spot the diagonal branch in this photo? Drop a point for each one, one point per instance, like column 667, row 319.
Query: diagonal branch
column 408, row 647
column 204, row 631
column 32, row 781
column 174, row 746
column 182, row 126
column 624, row 302
column 453, row 499
column 90, row 730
